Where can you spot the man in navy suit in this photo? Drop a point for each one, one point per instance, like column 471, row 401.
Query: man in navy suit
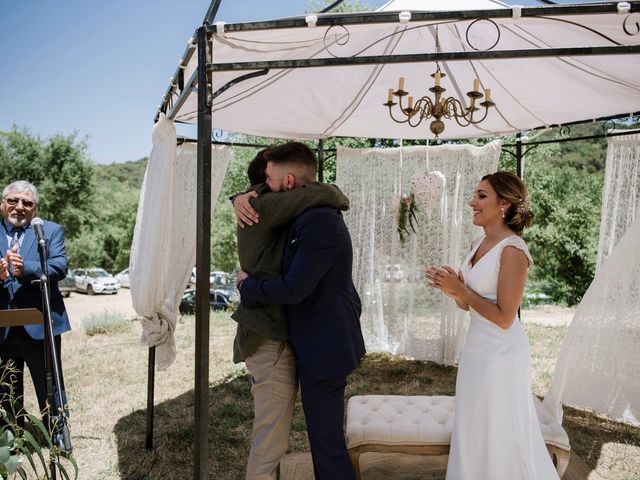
column 322, row 310
column 18, row 269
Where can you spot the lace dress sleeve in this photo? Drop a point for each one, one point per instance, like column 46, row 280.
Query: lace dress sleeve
column 519, row 243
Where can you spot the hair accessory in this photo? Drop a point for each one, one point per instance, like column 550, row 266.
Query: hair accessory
column 523, row 205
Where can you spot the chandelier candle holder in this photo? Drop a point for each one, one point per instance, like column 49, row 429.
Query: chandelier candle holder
column 449, row 107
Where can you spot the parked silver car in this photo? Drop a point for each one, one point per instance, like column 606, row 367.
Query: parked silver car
column 67, row 284
column 95, row 280
column 123, row 278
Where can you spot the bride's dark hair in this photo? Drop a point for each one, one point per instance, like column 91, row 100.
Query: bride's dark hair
column 511, row 188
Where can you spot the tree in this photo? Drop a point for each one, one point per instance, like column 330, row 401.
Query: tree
column 564, row 238
column 344, row 7
column 106, row 240
column 59, row 168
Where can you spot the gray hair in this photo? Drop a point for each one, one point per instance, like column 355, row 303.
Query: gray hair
column 21, row 186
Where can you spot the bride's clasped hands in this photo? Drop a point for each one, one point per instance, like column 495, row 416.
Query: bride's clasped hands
column 447, row 280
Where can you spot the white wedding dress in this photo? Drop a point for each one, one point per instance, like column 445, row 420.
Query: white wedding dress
column 496, row 434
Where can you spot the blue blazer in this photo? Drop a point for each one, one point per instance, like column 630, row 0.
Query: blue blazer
column 20, row 293
column 321, row 303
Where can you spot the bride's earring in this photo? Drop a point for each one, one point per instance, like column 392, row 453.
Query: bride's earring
column 502, row 210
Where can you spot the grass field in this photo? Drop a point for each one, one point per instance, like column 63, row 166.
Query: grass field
column 106, row 382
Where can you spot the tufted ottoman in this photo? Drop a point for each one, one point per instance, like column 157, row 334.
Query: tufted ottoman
column 421, row 425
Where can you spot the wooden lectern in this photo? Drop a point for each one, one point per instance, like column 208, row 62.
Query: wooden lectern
column 20, row 317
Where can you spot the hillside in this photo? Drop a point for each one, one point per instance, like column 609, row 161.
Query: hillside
column 129, row 174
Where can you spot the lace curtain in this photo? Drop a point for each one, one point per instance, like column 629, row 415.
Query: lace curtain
column 401, row 315
column 621, row 193
column 598, row 364
column 163, row 251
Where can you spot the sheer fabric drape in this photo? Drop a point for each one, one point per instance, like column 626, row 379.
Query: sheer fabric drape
column 598, row 364
column 163, row 250
column 401, row 315
column 621, row 192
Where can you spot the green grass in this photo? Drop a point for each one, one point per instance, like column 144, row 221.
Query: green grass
column 105, row 323
column 106, row 377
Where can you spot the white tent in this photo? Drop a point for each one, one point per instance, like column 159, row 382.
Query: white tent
column 544, row 66
column 328, row 75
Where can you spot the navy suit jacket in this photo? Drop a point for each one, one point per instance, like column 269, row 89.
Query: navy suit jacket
column 322, row 306
column 21, row 293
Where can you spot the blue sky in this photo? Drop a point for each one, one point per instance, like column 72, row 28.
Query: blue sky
column 100, row 68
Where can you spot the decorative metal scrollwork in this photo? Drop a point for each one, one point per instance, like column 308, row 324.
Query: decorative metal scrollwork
column 608, row 127
column 564, row 131
column 217, row 135
column 477, row 21
column 340, row 39
column 635, row 24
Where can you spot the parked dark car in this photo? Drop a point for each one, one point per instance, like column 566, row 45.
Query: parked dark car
column 67, row 284
column 217, row 301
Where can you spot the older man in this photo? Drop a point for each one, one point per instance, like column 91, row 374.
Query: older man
column 18, row 269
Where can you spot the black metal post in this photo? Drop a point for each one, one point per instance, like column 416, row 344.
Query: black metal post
column 212, row 11
column 519, row 155
column 151, row 381
column 321, row 160
column 519, row 172
column 203, row 261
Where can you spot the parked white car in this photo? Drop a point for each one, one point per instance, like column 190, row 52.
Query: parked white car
column 393, row 273
column 95, row 280
column 123, row 278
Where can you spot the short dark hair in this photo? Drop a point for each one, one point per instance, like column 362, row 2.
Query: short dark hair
column 256, row 169
column 294, row 153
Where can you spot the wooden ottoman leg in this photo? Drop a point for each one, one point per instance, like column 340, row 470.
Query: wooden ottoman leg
column 560, row 458
column 354, row 454
column 563, row 461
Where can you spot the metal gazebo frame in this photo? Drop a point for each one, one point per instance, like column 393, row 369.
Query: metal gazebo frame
column 179, row 90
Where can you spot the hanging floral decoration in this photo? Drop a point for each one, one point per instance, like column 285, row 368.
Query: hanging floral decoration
column 407, row 216
column 427, row 188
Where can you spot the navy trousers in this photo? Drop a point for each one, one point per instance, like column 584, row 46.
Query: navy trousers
column 323, row 406
column 21, row 348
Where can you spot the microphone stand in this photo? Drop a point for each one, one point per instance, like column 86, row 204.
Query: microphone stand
column 60, row 430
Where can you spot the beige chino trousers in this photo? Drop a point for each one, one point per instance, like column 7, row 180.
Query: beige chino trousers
column 274, row 386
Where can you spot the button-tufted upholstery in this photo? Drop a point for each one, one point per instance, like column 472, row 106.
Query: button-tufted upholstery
column 422, row 425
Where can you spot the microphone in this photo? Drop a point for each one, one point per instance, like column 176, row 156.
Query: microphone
column 38, row 228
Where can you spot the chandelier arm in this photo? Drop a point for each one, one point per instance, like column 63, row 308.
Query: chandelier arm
column 416, row 119
column 454, row 109
column 406, row 120
column 486, row 112
column 425, row 105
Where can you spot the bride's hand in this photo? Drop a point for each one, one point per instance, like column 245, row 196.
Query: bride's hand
column 445, row 279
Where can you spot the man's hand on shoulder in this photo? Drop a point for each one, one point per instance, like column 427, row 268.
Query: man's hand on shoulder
column 241, row 276
column 245, row 213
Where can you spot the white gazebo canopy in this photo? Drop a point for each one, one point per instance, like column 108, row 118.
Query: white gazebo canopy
column 328, row 75
column 544, row 65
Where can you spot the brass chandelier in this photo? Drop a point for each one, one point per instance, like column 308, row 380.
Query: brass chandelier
column 449, row 107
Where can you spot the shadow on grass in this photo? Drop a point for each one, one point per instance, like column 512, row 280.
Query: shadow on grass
column 589, row 433
column 231, row 414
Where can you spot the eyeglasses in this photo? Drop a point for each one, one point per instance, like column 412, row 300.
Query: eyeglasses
column 13, row 201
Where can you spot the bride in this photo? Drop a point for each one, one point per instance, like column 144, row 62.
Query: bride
column 496, row 434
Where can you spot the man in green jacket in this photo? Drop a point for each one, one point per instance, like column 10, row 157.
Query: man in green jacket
column 261, row 337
